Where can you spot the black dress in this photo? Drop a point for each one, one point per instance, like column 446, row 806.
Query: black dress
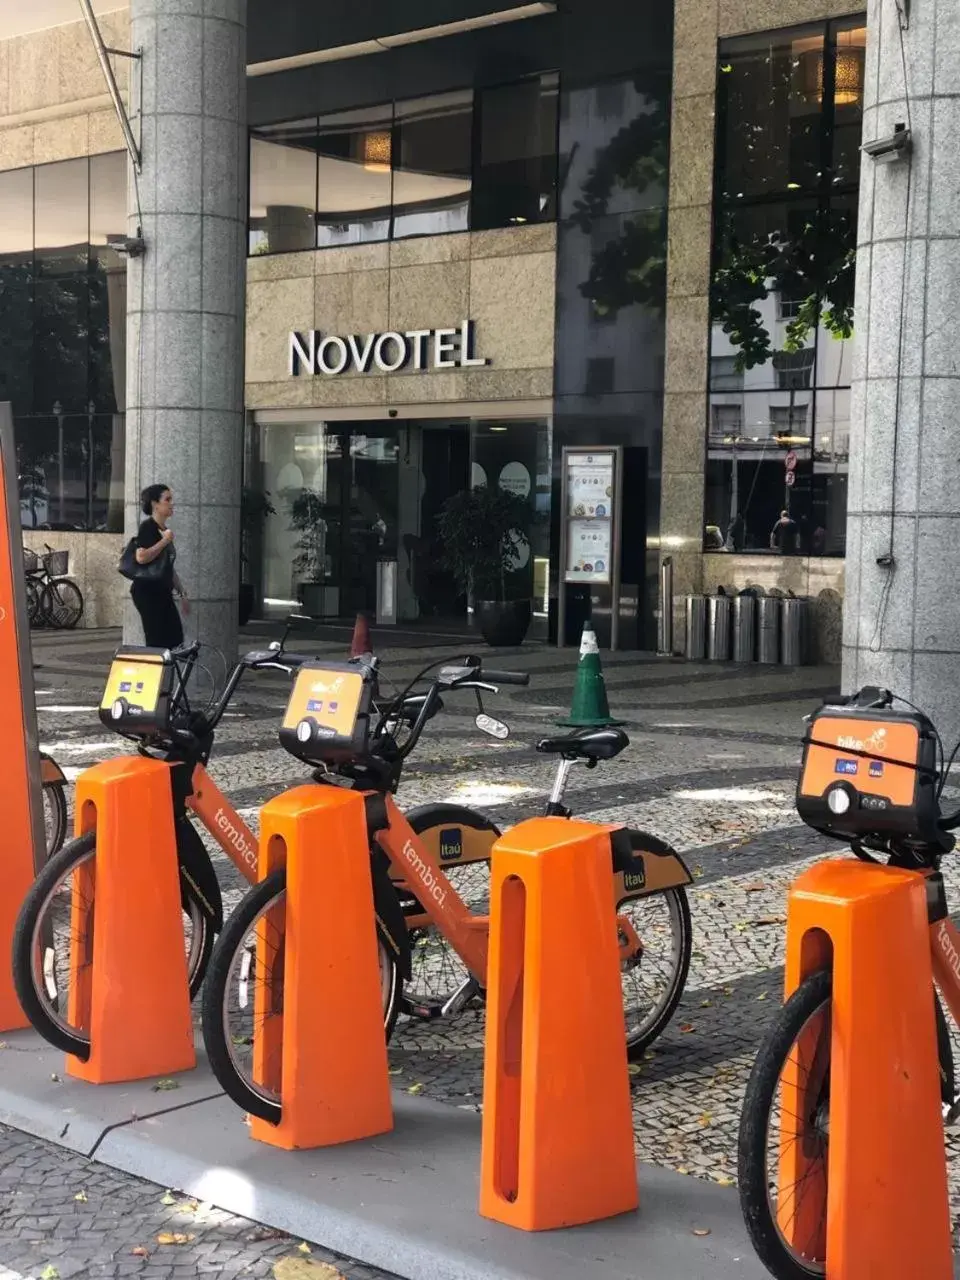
column 153, row 597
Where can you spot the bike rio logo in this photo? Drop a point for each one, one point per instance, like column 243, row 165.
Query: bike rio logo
column 234, row 836
column 423, row 873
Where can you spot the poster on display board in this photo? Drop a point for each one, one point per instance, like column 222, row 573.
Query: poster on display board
column 590, row 500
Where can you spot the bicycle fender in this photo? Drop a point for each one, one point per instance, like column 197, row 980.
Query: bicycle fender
column 453, row 833
column 197, row 876
column 50, row 771
column 644, row 865
column 390, row 922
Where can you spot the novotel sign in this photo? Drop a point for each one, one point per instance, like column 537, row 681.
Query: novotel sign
column 316, row 353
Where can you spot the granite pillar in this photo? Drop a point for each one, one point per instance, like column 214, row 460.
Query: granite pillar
column 186, row 296
column 902, row 605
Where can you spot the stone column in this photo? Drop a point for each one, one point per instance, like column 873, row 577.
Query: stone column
column 186, row 296
column 902, row 600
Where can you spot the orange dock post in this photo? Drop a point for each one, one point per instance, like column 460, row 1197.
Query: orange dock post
column 134, row 994
column 887, row 1212
column 325, row 1052
column 557, row 1146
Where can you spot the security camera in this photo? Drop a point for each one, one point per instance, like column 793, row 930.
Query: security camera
column 129, row 247
column 391, row 413
column 893, row 147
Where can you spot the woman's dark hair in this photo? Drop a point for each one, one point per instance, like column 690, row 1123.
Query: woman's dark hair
column 151, row 494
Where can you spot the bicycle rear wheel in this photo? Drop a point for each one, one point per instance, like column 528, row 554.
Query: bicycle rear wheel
column 54, row 816
column 56, row 922
column 62, row 604
column 33, row 602
column 243, row 997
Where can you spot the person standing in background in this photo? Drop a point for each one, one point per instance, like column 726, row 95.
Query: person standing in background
column 153, row 595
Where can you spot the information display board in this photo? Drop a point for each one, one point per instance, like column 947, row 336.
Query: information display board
column 590, row 538
column 590, row 483
column 136, row 697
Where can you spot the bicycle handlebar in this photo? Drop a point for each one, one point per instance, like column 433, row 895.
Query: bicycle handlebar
column 504, row 677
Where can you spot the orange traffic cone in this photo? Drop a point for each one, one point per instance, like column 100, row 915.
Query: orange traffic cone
column 361, row 642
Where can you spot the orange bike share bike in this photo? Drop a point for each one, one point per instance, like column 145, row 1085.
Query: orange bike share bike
column 430, row 869
column 146, row 700
column 873, row 776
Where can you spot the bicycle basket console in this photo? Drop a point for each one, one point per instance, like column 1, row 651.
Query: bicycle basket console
column 870, row 771
column 327, row 720
column 137, row 697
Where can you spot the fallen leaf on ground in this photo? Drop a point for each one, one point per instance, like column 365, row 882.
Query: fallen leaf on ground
column 697, row 872
column 188, row 1206
column 770, row 920
column 304, row 1269
column 396, row 1071
column 762, row 995
column 649, row 1055
column 81, row 1196
column 175, row 1237
column 168, row 1198
column 238, row 1040
column 705, row 1119
column 701, row 1231
column 634, row 1069
column 304, row 1247
column 686, row 1028
column 706, row 1004
column 725, row 1182
column 163, row 1086
column 415, row 1089
column 755, row 888
column 49, row 1273
column 140, row 1252
column 728, row 991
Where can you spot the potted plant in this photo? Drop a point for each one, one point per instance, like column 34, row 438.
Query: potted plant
column 480, row 532
column 255, row 506
column 309, row 516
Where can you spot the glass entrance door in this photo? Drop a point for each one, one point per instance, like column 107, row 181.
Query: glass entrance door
column 334, row 489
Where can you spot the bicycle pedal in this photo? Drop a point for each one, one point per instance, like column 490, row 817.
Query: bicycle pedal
column 423, row 1012
column 461, row 997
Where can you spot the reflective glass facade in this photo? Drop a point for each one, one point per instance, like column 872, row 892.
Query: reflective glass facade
column 458, row 161
column 784, row 260
column 63, row 321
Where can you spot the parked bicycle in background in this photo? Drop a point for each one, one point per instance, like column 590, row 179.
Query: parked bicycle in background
column 53, row 598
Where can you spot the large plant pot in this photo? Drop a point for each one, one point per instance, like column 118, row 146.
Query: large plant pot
column 503, row 623
column 247, row 599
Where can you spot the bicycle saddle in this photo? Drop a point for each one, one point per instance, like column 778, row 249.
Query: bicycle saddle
column 586, row 744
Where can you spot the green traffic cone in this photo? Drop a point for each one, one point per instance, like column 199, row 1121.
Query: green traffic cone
column 590, row 709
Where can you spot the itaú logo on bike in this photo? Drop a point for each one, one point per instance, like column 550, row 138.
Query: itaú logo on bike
column 239, row 841
column 950, row 952
column 424, row 874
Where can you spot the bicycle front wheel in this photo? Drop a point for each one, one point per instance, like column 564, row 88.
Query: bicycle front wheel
column 61, row 604
column 54, row 938
column 54, row 815
column 243, row 999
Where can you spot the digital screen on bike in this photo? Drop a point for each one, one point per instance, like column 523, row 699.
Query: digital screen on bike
column 328, row 714
column 136, row 698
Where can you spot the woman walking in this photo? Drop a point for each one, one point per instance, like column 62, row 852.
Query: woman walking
column 153, row 593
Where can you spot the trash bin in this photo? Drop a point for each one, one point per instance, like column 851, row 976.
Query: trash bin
column 744, row 628
column 794, row 628
column 768, row 629
column 696, row 646
column 718, row 628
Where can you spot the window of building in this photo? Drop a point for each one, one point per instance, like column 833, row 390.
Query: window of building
column 432, row 165
column 726, row 422
column 426, row 166
column 515, row 179
column 63, row 317
column 283, row 187
column 724, row 374
column 789, row 110
column 355, row 183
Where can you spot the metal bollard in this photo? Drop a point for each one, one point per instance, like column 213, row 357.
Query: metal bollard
column 718, row 628
column 744, row 628
column 793, row 626
column 768, row 629
column 696, row 646
column 665, row 625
